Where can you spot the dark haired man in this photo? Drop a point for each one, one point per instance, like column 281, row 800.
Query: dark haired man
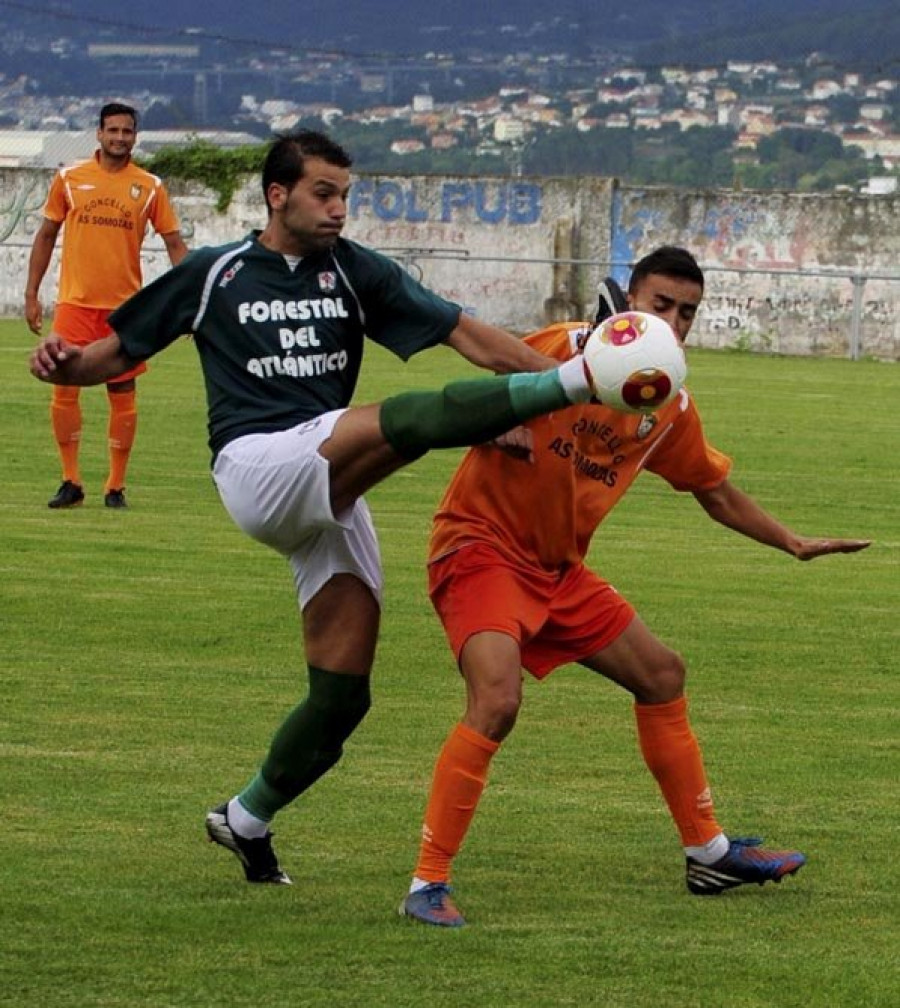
column 279, row 321
column 103, row 205
column 508, row 580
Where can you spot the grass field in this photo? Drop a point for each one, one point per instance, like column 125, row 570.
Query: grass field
column 147, row 656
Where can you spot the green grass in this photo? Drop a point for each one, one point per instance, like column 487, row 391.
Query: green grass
column 147, row 656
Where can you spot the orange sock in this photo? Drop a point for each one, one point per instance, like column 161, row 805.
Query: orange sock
column 672, row 753
column 459, row 778
column 122, row 427
column 65, row 419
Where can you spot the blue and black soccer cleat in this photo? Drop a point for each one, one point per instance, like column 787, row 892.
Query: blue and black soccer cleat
column 432, row 905
column 745, row 863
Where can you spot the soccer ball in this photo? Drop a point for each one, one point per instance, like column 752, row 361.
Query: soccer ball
column 636, row 362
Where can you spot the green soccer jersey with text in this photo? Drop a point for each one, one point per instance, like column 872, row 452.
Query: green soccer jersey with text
column 280, row 344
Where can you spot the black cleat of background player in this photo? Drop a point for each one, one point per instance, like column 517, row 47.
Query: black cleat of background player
column 612, row 300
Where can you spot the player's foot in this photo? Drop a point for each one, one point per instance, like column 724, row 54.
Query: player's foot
column 744, row 863
column 432, row 905
column 611, row 300
column 256, row 856
column 115, row 498
column 69, row 495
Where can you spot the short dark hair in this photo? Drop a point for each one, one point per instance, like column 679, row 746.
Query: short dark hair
column 285, row 158
column 667, row 260
column 117, row 108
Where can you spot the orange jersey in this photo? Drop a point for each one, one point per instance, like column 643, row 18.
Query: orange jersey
column 105, row 216
column 585, row 458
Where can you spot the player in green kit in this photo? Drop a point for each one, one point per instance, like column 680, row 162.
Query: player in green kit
column 279, row 320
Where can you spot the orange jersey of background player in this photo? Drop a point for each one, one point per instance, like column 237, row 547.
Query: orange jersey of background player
column 105, row 216
column 585, row 458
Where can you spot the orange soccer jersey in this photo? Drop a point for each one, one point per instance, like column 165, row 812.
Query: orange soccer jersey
column 105, row 216
column 585, row 458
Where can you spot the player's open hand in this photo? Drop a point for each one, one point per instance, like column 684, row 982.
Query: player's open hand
column 809, row 549
column 518, row 443
column 49, row 355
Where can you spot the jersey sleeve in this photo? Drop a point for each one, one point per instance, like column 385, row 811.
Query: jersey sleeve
column 684, row 458
column 165, row 309
column 57, row 204
column 400, row 313
column 162, row 213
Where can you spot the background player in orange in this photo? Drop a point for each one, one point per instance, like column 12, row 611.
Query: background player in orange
column 103, row 206
column 508, row 580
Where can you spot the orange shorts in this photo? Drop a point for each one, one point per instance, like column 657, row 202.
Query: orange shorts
column 556, row 618
column 83, row 326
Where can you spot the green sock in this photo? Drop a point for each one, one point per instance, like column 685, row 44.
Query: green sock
column 533, row 394
column 468, row 412
column 309, row 741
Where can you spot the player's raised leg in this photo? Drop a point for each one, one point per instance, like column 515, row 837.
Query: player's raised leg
column 371, row 442
column 364, row 446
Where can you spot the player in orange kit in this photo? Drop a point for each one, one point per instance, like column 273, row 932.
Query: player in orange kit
column 508, row 580
column 104, row 205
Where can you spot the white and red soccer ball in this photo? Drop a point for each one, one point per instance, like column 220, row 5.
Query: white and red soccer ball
column 636, row 362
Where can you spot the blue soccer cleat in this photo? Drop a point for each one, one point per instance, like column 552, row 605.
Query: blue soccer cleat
column 432, row 905
column 745, row 862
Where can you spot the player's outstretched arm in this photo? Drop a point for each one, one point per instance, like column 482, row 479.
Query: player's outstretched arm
column 736, row 510
column 810, row 548
column 495, row 349
column 60, row 363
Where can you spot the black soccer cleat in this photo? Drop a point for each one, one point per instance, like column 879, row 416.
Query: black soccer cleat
column 611, row 300
column 69, row 495
column 115, row 499
column 744, row 863
column 256, row 855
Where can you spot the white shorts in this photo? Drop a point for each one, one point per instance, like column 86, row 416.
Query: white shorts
column 276, row 489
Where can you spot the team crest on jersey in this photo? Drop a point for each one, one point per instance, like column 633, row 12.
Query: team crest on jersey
column 327, row 282
column 645, row 427
column 136, row 191
column 579, row 336
column 231, row 273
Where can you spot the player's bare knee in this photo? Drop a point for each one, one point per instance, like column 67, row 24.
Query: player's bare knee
column 504, row 717
column 493, row 713
column 663, row 681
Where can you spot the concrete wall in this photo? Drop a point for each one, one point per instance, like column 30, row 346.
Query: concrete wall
column 786, row 273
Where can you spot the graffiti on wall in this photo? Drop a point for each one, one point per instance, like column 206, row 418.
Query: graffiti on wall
column 20, row 209
column 484, row 202
column 728, row 232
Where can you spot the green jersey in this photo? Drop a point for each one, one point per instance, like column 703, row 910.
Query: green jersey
column 281, row 344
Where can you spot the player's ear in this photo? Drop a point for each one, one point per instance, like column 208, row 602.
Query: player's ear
column 276, row 195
